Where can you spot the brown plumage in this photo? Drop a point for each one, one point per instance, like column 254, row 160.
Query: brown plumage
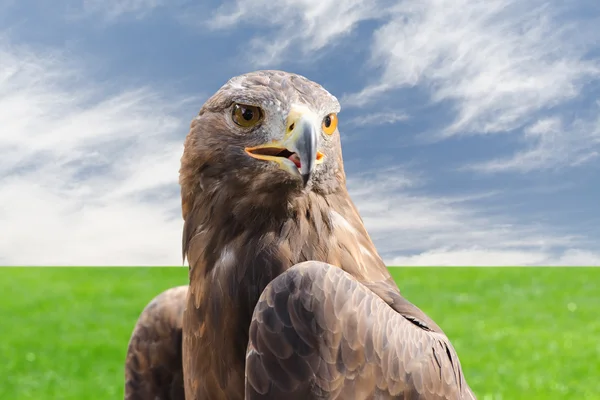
column 153, row 368
column 268, row 221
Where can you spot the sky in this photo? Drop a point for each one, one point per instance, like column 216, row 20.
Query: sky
column 470, row 128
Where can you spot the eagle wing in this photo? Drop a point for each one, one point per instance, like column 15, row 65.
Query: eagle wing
column 153, row 366
column 318, row 333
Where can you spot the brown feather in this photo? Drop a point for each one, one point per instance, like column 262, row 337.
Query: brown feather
column 153, row 366
column 357, row 322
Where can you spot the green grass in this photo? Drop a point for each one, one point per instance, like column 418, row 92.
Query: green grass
column 521, row 333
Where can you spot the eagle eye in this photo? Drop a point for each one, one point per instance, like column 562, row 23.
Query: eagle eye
column 330, row 123
column 246, row 116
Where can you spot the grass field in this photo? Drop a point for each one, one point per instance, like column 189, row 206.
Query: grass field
column 521, row 333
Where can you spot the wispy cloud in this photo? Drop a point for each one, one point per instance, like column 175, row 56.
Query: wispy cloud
column 302, row 26
column 496, row 62
column 483, row 257
column 82, row 168
column 379, row 118
column 412, row 228
column 110, row 10
column 551, row 145
column 499, row 65
column 89, row 170
column 90, row 178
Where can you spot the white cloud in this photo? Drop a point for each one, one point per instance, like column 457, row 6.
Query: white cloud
column 471, row 256
column 79, row 165
column 552, row 145
column 379, row 118
column 491, row 258
column 410, row 228
column 577, row 257
column 499, row 65
column 82, row 168
column 113, row 9
column 496, row 62
column 302, row 26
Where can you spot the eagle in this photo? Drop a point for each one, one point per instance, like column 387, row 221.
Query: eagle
column 288, row 297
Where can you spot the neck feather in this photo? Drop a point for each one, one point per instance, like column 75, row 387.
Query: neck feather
column 234, row 253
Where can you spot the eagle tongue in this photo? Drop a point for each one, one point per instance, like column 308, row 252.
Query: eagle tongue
column 295, row 159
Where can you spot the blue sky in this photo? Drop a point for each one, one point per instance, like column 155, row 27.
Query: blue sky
column 470, row 129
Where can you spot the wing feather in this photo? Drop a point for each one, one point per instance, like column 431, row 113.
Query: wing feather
column 346, row 339
column 153, row 365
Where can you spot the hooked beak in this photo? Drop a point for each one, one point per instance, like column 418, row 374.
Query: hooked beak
column 297, row 152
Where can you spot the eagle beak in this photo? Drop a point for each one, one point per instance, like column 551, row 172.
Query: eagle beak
column 304, row 141
column 298, row 151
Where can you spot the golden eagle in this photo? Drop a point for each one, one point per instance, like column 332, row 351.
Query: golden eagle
column 288, row 297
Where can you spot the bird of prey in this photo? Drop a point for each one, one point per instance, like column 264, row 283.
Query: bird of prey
column 288, row 297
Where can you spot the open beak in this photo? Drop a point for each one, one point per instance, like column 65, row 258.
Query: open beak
column 297, row 152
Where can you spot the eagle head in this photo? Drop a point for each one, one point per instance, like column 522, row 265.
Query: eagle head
column 265, row 133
